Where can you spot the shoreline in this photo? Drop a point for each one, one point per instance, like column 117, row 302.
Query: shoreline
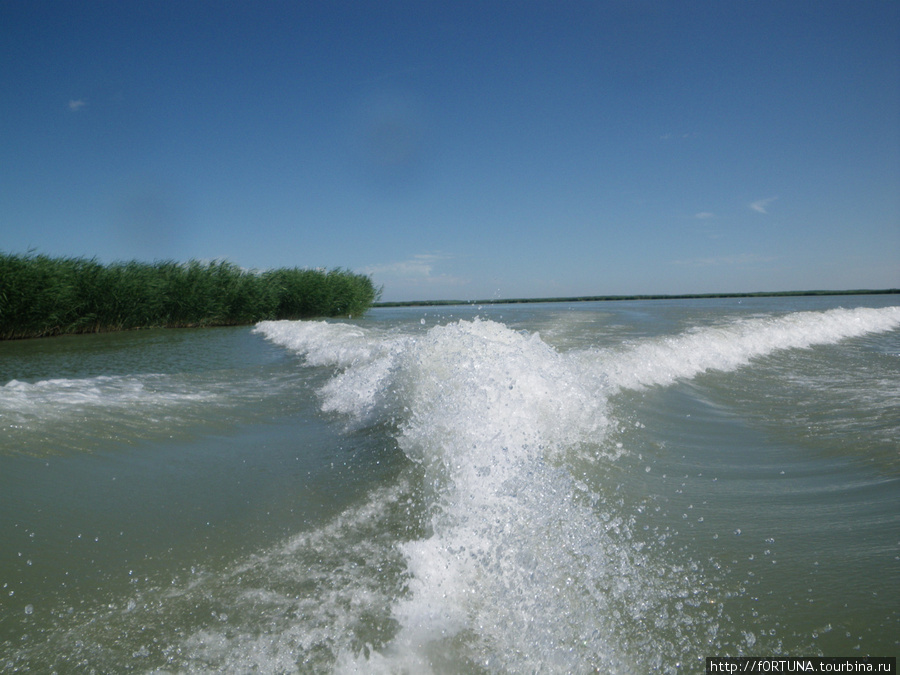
column 618, row 298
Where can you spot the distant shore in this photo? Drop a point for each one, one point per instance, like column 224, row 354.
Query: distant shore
column 613, row 298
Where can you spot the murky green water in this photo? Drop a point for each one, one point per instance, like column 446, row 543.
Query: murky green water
column 622, row 487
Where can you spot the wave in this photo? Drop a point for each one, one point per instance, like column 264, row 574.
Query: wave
column 519, row 550
column 61, row 395
column 79, row 413
column 733, row 345
column 495, row 505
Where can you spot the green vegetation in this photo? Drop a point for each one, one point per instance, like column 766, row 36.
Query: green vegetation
column 42, row 296
column 611, row 298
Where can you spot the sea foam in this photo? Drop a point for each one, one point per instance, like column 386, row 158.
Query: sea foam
column 524, row 568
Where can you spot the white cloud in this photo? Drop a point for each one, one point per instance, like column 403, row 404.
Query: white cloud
column 417, row 270
column 760, row 205
column 704, row 215
column 419, row 266
column 77, row 104
column 741, row 259
column 671, row 136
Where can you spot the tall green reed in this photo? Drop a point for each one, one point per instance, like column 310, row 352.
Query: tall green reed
column 41, row 295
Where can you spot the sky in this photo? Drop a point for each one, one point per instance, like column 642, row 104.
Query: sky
column 462, row 150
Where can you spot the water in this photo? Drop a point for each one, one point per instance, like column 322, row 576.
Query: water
column 620, row 487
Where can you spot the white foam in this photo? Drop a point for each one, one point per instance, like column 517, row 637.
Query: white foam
column 281, row 624
column 664, row 360
column 27, row 402
column 322, row 343
column 513, row 555
column 366, row 360
column 524, row 569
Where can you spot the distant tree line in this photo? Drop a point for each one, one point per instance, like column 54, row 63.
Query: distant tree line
column 43, row 296
column 612, row 298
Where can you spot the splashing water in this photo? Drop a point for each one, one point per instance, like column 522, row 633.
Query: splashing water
column 460, row 496
column 524, row 567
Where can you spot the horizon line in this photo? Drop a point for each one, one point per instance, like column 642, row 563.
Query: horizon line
column 639, row 296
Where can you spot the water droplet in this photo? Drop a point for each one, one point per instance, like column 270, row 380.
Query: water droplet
column 29, row 609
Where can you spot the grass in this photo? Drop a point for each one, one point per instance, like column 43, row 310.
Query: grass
column 42, row 295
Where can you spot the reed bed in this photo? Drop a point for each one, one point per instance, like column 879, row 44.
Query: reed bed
column 43, row 296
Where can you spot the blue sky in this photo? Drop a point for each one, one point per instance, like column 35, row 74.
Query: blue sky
column 465, row 150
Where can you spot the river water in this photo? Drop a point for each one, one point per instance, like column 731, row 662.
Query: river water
column 615, row 487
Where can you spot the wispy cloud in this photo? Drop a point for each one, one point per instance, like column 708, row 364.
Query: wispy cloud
column 418, row 266
column 671, row 136
column 77, row 104
column 760, row 205
column 739, row 260
column 419, row 269
column 704, row 215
